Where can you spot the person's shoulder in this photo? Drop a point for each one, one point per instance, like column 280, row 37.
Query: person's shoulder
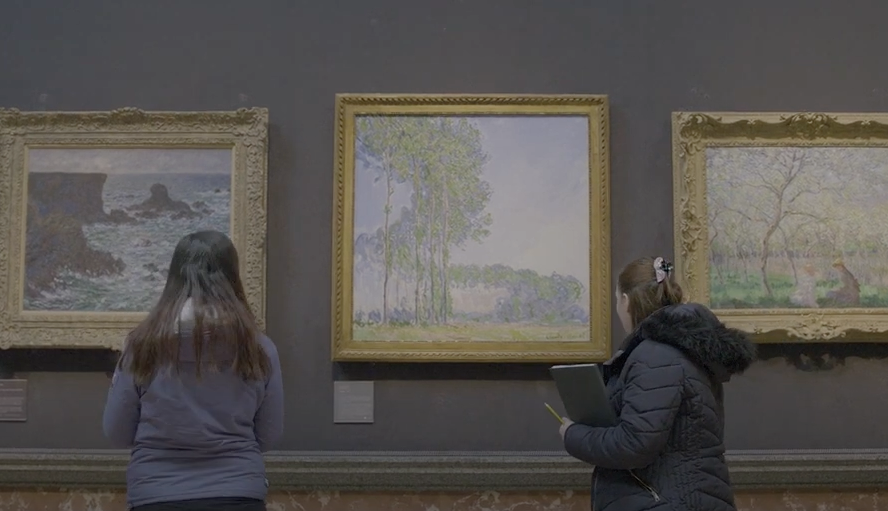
column 654, row 353
column 268, row 345
column 668, row 331
column 691, row 331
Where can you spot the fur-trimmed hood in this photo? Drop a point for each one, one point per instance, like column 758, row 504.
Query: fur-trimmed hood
column 701, row 336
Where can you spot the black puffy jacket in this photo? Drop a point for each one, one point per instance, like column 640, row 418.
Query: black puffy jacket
column 667, row 451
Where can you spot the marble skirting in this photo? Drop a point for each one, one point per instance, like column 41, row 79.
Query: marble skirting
column 81, row 480
column 91, row 500
column 411, row 472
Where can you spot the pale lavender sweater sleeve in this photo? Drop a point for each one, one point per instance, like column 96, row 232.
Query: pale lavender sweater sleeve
column 269, row 421
column 122, row 410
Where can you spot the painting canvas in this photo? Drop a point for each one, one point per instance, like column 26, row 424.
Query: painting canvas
column 788, row 228
column 95, row 202
column 471, row 231
column 791, row 241
column 103, row 223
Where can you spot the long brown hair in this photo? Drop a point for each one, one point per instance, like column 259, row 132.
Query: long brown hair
column 638, row 281
column 204, row 269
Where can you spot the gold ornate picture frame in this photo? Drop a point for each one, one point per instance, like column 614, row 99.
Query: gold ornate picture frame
column 777, row 221
column 93, row 203
column 471, row 228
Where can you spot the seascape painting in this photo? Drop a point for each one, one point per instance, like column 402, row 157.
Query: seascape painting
column 102, row 223
column 797, row 227
column 471, row 228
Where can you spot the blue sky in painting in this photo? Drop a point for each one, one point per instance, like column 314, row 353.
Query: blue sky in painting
column 161, row 160
column 539, row 173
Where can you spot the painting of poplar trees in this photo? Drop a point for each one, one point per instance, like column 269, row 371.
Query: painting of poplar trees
column 471, row 229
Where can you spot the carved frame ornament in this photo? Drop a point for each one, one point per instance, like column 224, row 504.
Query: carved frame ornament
column 244, row 131
column 346, row 348
column 692, row 134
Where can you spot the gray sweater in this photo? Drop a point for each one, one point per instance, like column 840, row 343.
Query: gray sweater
column 195, row 439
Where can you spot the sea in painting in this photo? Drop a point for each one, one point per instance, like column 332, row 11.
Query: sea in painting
column 102, row 223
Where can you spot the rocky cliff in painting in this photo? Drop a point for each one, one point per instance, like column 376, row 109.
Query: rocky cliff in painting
column 59, row 205
column 160, row 202
column 74, row 195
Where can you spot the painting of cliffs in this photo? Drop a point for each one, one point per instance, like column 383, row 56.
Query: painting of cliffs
column 102, row 223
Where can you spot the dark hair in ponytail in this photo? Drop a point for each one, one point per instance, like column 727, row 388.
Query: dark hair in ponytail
column 646, row 292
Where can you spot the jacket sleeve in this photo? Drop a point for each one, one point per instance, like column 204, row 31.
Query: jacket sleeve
column 122, row 410
column 651, row 400
column 268, row 424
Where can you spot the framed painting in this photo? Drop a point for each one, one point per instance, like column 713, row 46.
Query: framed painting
column 471, row 228
column 93, row 203
column 778, row 221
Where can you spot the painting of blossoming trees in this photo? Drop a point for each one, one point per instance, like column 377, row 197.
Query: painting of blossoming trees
column 792, row 227
column 472, row 234
column 781, row 221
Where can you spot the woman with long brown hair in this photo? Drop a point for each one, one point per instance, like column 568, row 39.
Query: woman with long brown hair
column 666, row 451
column 197, row 393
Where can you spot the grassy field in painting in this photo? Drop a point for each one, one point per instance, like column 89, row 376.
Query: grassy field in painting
column 800, row 227
column 441, row 253
column 492, row 332
column 739, row 291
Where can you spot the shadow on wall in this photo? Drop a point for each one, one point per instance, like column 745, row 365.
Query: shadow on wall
column 822, row 357
column 804, row 357
column 51, row 360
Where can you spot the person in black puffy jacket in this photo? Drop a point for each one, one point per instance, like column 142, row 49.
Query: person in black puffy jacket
column 665, row 383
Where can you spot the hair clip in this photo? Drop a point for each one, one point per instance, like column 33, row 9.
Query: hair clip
column 662, row 269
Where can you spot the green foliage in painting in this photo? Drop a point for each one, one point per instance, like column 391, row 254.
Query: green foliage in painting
column 439, row 162
column 797, row 227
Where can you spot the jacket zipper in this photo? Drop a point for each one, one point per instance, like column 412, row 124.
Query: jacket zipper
column 647, row 487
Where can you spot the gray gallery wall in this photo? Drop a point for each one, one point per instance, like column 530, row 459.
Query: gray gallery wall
column 651, row 57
